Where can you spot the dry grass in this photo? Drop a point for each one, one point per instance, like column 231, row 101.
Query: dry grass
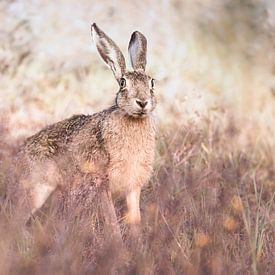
column 209, row 208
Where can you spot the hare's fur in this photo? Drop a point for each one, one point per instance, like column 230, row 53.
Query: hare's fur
column 118, row 142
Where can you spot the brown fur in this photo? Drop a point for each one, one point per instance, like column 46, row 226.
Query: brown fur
column 118, row 142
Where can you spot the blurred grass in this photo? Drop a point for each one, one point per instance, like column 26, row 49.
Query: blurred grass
column 209, row 209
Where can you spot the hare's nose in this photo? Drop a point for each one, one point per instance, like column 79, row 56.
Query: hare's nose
column 142, row 104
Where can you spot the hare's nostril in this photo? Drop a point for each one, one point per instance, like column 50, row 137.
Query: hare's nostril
column 142, row 104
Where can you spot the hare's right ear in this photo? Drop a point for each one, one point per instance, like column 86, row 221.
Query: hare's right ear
column 109, row 52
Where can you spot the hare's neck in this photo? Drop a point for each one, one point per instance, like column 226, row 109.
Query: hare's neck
column 146, row 123
column 125, row 125
column 129, row 120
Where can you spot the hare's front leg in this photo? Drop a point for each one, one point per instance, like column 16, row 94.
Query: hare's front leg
column 133, row 212
column 132, row 200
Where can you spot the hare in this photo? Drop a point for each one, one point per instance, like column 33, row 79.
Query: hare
column 118, row 142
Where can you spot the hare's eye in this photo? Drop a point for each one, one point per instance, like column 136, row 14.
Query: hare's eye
column 152, row 83
column 122, row 82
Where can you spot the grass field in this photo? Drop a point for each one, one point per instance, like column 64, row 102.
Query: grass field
column 210, row 206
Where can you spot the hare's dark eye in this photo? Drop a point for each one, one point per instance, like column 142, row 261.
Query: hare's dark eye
column 152, row 83
column 122, row 82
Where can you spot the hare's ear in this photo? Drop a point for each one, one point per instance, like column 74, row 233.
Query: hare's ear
column 109, row 51
column 137, row 50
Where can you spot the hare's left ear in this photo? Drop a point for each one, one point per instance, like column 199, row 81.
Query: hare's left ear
column 109, row 51
column 137, row 50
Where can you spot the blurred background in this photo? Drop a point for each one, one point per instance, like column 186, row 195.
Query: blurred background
column 207, row 57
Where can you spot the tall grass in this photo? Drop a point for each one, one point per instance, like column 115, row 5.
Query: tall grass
column 209, row 209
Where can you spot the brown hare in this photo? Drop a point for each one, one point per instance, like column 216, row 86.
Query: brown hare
column 118, row 141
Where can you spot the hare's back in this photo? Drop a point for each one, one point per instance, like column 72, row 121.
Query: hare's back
column 54, row 139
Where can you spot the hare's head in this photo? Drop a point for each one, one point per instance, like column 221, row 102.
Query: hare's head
column 136, row 89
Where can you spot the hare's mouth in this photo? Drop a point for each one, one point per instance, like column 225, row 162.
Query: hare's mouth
column 140, row 114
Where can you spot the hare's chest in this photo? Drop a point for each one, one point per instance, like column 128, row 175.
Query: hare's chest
column 131, row 153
